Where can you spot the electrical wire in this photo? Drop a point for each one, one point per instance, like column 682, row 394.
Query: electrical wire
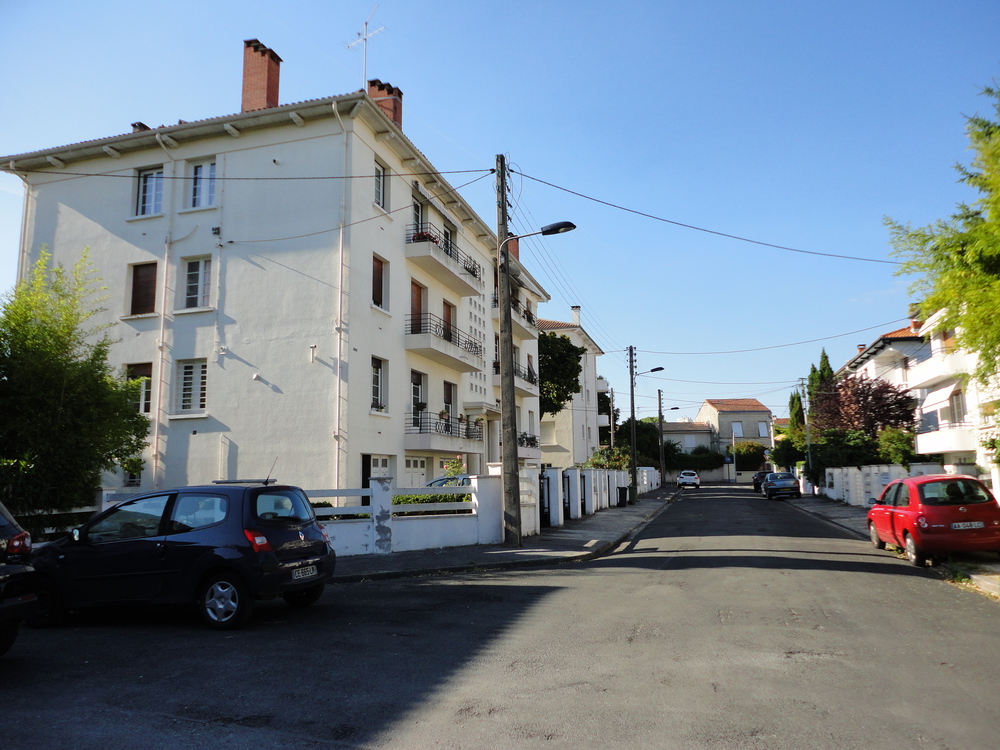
column 703, row 229
column 782, row 346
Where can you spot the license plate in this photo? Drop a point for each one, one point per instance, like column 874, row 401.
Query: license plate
column 307, row 572
column 967, row 525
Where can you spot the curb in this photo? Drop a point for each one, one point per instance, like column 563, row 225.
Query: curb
column 599, row 551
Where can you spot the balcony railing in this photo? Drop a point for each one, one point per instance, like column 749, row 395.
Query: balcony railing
column 522, row 311
column 526, row 440
column 529, row 375
column 433, row 424
column 427, row 232
column 935, row 425
column 432, row 324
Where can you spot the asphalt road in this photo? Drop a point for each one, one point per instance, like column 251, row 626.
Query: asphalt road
column 728, row 622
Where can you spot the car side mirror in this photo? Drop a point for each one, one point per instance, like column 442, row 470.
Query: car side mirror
column 76, row 535
column 872, row 501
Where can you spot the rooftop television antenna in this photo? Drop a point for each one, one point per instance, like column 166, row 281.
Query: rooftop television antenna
column 363, row 37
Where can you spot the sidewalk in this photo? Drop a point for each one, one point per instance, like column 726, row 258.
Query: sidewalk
column 579, row 539
column 981, row 568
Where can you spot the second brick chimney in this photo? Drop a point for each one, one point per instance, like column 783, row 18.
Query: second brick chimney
column 261, row 67
column 389, row 99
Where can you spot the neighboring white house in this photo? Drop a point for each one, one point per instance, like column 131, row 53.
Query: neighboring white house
column 305, row 295
column 570, row 436
column 953, row 415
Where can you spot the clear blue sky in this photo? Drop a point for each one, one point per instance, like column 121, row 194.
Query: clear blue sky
column 794, row 123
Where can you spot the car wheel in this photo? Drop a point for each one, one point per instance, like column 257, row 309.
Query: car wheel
column 913, row 553
column 304, row 597
column 873, row 535
column 8, row 634
column 224, row 601
column 767, row 495
column 50, row 612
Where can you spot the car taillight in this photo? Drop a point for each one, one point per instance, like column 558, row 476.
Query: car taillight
column 257, row 540
column 922, row 522
column 19, row 544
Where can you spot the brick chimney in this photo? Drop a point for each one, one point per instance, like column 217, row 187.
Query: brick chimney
column 861, row 348
column 389, row 99
column 512, row 248
column 261, row 68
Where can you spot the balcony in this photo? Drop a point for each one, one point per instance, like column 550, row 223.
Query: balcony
column 523, row 321
column 427, row 247
column 602, row 385
column 935, row 370
column 525, row 381
column 439, row 341
column 431, row 432
column 529, row 446
column 946, row 437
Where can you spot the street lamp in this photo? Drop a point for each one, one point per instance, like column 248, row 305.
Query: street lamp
column 634, row 489
column 508, row 420
column 659, row 411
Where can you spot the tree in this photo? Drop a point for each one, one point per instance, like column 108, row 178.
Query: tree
column 820, row 380
column 749, row 456
column 66, row 416
column 604, row 407
column 796, row 413
column 646, row 439
column 864, row 404
column 609, row 458
column 559, row 368
column 958, row 260
column 785, row 453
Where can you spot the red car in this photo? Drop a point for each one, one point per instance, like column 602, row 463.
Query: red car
column 935, row 514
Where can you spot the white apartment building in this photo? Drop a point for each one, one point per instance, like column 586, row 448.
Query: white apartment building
column 954, row 414
column 304, row 294
column 570, row 436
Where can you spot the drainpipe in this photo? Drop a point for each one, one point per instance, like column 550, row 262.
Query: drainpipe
column 340, row 326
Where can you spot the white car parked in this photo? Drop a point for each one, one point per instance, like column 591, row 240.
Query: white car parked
column 689, row 479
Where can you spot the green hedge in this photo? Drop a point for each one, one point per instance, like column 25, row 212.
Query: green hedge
column 422, row 499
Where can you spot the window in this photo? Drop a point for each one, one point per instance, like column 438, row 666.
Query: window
column 197, row 282
column 956, row 404
column 203, row 185
column 149, row 192
column 381, row 197
column 143, row 289
column 418, row 215
column 762, row 429
column 449, row 398
column 378, row 385
column 197, row 511
column 737, row 429
column 192, row 377
column 379, row 278
column 134, row 520
column 417, row 395
column 142, row 372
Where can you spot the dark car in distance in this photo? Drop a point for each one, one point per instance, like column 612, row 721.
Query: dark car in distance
column 17, row 578
column 220, row 547
column 933, row 514
column 758, row 479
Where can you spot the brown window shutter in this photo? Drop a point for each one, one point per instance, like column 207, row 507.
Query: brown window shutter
column 143, row 289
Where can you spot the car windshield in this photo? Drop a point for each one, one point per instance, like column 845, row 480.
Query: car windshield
column 287, row 505
column 953, row 492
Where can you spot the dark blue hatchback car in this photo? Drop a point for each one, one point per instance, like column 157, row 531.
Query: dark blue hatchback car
column 219, row 546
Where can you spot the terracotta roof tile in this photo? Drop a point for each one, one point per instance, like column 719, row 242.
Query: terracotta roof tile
column 736, row 404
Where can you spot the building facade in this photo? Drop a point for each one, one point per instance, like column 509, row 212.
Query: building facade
column 570, row 436
column 302, row 293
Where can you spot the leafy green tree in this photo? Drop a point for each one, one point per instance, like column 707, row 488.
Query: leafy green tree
column 785, row 454
column 896, row 446
column 749, row 456
column 820, row 382
column 66, row 415
column 559, row 368
column 796, row 413
column 646, row 438
column 609, row 458
column 673, row 456
column 957, row 260
column 702, row 459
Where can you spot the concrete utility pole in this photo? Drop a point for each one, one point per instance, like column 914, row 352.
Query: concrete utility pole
column 634, row 488
column 508, row 419
column 659, row 411
column 611, row 416
column 805, row 412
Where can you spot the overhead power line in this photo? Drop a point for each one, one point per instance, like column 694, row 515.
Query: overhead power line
column 703, row 229
column 782, row 346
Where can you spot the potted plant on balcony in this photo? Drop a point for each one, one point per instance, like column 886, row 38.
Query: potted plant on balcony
column 443, row 414
column 419, row 407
